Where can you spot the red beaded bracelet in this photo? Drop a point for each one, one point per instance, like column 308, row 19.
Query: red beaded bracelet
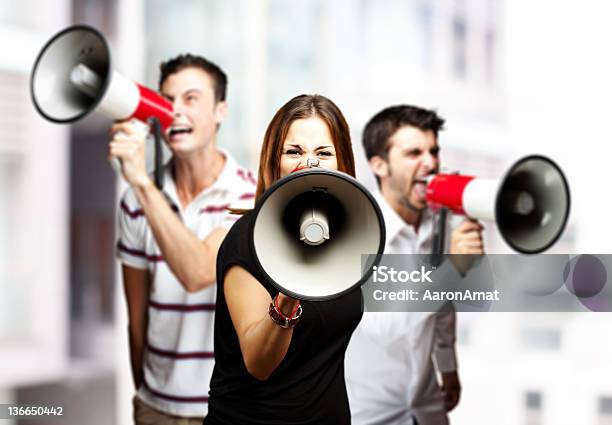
column 279, row 317
column 291, row 316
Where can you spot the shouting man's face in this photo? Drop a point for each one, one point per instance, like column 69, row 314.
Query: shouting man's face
column 412, row 156
column 197, row 114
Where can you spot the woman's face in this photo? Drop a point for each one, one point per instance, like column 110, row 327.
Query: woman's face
column 308, row 138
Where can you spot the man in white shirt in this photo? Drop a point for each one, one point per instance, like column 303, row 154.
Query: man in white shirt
column 394, row 358
column 169, row 240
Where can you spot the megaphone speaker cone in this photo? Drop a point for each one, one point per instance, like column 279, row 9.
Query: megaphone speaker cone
column 55, row 97
column 328, row 269
column 533, row 204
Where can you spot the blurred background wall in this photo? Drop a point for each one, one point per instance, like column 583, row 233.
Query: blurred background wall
column 511, row 78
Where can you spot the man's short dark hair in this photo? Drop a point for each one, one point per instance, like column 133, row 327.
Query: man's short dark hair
column 384, row 124
column 181, row 62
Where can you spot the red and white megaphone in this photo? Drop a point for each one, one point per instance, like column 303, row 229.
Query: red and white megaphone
column 73, row 76
column 530, row 204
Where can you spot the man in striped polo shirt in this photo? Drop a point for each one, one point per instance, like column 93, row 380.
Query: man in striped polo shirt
column 169, row 241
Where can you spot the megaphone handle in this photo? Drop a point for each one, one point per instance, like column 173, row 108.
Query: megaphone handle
column 158, row 171
column 115, row 164
column 439, row 235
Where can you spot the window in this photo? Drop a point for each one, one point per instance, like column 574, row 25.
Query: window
column 533, row 408
column 425, row 17
column 490, row 28
column 291, row 66
column 604, row 410
column 541, row 338
column 459, row 36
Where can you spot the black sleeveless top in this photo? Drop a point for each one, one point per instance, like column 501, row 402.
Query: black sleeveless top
column 308, row 386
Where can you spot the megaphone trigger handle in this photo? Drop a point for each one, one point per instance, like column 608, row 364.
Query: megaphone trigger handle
column 86, row 80
column 113, row 161
column 115, row 164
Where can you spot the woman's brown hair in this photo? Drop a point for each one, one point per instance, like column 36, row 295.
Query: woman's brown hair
column 303, row 107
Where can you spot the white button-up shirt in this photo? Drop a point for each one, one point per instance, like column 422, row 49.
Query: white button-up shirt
column 392, row 357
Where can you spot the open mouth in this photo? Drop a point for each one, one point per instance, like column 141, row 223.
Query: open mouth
column 174, row 131
column 425, row 179
column 420, row 187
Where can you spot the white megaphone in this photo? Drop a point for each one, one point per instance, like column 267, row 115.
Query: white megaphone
column 73, row 76
column 530, row 204
column 310, row 231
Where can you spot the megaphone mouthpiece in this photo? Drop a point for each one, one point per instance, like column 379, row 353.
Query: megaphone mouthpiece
column 519, row 202
column 314, row 228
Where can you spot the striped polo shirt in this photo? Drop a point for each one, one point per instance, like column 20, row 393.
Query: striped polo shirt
column 179, row 356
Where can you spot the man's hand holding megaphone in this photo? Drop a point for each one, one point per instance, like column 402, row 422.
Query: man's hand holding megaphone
column 466, row 240
column 128, row 146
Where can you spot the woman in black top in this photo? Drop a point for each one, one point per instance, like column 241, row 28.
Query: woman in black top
column 265, row 373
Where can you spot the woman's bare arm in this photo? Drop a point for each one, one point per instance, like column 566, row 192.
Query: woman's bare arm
column 263, row 343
